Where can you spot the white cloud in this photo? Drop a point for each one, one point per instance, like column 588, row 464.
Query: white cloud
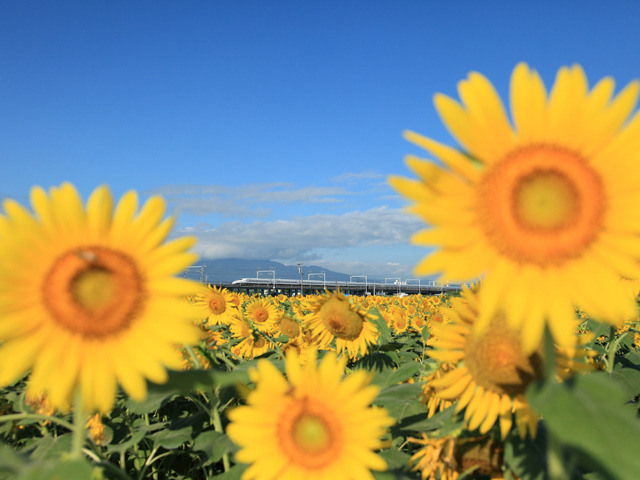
column 291, row 240
column 243, row 201
column 357, row 176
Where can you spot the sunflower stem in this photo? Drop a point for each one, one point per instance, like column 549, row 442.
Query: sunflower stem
column 611, row 351
column 555, row 464
column 34, row 416
column 77, row 440
column 194, row 358
column 217, row 425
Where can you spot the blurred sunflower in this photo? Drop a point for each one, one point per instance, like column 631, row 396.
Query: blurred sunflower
column 449, row 458
column 315, row 425
column 489, row 372
column 428, row 393
column 288, row 326
column 399, row 320
column 540, row 209
column 332, row 316
column 88, row 297
column 435, row 459
column 216, row 304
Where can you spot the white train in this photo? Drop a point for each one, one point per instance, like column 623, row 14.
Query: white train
column 369, row 287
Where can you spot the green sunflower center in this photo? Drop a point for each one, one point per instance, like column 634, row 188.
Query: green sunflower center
column 545, row 199
column 311, row 434
column 93, row 288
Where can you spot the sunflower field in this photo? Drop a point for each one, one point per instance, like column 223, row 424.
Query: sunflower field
column 114, row 367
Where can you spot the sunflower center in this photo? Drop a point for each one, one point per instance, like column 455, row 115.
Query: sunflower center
column 542, row 204
column 260, row 315
column 289, row 327
column 496, row 362
column 338, row 317
column 545, row 199
column 309, row 435
column 94, row 291
column 217, row 304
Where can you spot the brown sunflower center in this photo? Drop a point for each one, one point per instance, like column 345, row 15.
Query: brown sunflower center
column 289, row 327
column 259, row 342
column 309, row 435
column 260, row 315
column 343, row 322
column 217, row 304
column 541, row 204
column 94, row 291
column 496, row 362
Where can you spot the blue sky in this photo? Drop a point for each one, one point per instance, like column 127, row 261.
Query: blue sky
column 271, row 127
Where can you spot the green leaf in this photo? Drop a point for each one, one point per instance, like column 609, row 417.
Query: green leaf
column 527, row 458
column 59, row 470
column 425, row 334
column 627, row 378
column 214, row 445
column 50, row 447
column 136, row 438
column 391, row 376
column 401, row 400
column 381, row 325
column 169, row 439
column 234, row 473
column 376, row 361
column 155, row 399
column 185, row 381
column 445, row 422
column 395, row 459
column 10, row 460
column 589, row 416
column 627, row 373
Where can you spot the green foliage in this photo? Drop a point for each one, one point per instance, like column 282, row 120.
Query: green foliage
column 588, row 416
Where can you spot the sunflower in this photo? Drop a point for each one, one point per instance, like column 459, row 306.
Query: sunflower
column 312, row 425
column 428, row 393
column 334, row 317
column 96, row 430
column 88, row 297
column 435, row 459
column 252, row 342
column 217, row 304
column 288, row 326
column 448, row 458
column 492, row 372
column 399, row 320
column 263, row 314
column 541, row 208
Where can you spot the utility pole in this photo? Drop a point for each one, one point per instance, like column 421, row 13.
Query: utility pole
column 301, row 279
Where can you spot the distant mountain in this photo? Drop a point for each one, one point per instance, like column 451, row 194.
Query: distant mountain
column 226, row 270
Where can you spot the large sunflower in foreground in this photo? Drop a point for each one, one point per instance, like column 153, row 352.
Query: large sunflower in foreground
column 312, row 425
column 540, row 208
column 88, row 299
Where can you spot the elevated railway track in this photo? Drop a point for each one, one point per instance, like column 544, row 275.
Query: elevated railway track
column 275, row 286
